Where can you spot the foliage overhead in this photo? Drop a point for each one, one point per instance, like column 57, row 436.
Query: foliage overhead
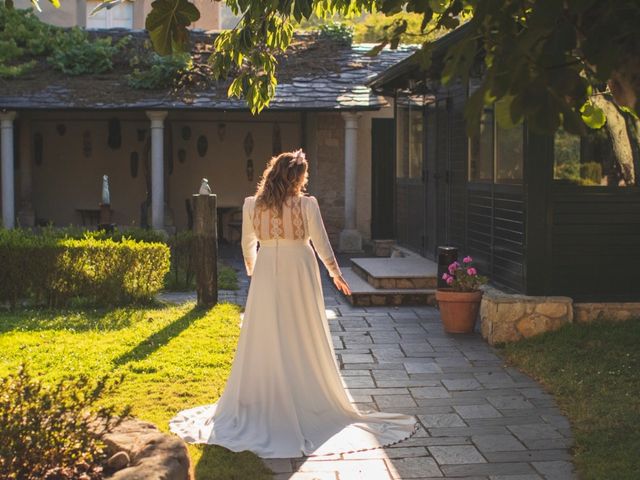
column 545, row 59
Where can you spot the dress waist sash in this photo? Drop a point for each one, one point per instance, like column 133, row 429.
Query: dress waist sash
column 283, row 242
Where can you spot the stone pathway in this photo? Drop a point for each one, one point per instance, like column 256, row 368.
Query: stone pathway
column 480, row 419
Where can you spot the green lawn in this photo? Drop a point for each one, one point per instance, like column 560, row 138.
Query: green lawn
column 173, row 357
column 594, row 373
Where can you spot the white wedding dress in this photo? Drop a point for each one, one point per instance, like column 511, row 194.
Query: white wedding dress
column 285, row 397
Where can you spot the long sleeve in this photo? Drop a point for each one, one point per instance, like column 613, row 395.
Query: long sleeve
column 249, row 239
column 320, row 238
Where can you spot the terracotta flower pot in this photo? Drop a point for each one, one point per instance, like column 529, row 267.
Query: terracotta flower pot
column 458, row 310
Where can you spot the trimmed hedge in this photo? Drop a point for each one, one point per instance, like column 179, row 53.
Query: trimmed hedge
column 54, row 270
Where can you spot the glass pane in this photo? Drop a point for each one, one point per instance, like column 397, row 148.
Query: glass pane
column 416, row 136
column 591, row 160
column 509, row 154
column 481, row 150
column 402, row 137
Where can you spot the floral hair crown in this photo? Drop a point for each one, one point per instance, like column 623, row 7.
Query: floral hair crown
column 298, row 157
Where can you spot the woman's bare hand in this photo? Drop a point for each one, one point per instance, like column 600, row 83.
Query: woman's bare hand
column 342, row 285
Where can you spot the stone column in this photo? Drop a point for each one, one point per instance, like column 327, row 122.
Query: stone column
column 157, row 168
column 350, row 238
column 26, row 213
column 8, row 194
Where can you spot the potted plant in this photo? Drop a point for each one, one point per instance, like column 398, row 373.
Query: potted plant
column 460, row 301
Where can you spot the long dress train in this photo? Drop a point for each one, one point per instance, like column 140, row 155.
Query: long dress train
column 284, row 397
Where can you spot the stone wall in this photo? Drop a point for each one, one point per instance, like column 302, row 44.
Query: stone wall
column 589, row 312
column 507, row 318
column 327, row 169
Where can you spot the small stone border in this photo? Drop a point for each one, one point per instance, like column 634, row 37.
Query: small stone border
column 138, row 450
column 508, row 317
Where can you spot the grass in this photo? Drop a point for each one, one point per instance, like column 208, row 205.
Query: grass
column 173, row 357
column 593, row 370
column 181, row 281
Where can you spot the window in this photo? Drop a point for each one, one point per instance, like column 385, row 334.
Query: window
column 509, row 154
column 410, row 136
column 590, row 161
column 496, row 153
column 119, row 16
column 481, row 150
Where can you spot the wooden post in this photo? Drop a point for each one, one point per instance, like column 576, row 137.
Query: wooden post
column 206, row 249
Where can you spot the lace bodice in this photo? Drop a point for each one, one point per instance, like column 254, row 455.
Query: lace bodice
column 300, row 220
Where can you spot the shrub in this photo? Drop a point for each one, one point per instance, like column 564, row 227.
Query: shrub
column 157, row 71
column 22, row 37
column 53, row 432
column 54, row 270
column 25, row 39
column 109, row 272
column 74, row 54
column 338, row 32
column 182, row 274
column 227, row 278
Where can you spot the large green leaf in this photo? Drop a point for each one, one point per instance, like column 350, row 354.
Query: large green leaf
column 593, row 115
column 167, row 24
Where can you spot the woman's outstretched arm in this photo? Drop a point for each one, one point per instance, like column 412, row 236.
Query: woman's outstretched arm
column 249, row 239
column 321, row 243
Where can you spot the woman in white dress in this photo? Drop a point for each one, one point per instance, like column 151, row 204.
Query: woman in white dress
column 285, row 397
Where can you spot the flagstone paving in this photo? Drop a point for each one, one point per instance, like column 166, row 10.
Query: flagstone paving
column 479, row 419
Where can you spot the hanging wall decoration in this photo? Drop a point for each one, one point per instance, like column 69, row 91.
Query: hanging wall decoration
column 86, row 143
column 202, row 145
column 134, row 161
column 248, row 144
column 182, row 155
column 114, row 140
column 61, row 128
column 222, row 129
column 142, row 134
column 186, row 132
column 276, row 140
column 38, row 148
column 250, row 170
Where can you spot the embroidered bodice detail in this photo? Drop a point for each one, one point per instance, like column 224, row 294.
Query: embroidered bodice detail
column 268, row 224
column 300, row 220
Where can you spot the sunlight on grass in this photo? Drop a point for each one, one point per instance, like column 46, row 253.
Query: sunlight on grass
column 173, row 357
column 594, row 373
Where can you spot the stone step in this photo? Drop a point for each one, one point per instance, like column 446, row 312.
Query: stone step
column 397, row 273
column 364, row 294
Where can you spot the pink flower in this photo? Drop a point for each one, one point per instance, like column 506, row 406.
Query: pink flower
column 449, row 280
column 472, row 271
column 467, row 259
column 445, row 276
column 453, row 267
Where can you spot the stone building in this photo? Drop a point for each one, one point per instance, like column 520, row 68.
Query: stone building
column 155, row 146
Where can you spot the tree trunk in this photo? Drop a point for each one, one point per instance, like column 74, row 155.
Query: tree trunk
column 620, row 141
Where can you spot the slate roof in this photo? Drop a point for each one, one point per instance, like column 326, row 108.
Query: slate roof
column 314, row 74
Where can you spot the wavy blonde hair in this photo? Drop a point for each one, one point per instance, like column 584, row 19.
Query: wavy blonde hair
column 282, row 178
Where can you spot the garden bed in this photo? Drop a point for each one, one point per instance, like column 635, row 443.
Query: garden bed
column 593, row 371
column 172, row 357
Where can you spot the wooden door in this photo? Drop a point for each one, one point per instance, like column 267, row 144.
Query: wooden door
column 382, row 178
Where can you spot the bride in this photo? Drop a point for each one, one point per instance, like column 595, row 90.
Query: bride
column 285, row 397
